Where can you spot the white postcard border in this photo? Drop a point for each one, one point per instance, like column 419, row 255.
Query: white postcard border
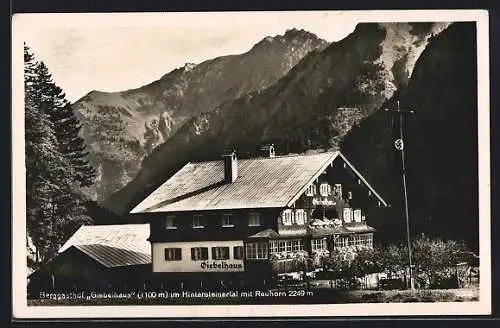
column 19, row 265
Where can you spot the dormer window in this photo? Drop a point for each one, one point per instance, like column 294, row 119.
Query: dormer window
column 300, row 216
column 170, row 222
column 325, row 189
column 357, row 215
column 286, row 217
column 347, row 214
column 349, row 195
column 198, row 222
column 254, row 219
column 227, row 221
column 311, row 190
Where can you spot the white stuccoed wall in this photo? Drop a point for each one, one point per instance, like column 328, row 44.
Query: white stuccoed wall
column 188, row 265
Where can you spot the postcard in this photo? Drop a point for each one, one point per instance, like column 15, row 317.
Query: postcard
column 231, row 164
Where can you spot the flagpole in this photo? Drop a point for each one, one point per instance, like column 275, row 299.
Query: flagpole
column 400, row 145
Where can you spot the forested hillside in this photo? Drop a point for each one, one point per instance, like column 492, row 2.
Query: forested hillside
column 441, row 145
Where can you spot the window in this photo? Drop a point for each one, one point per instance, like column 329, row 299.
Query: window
column 278, row 246
column 369, row 240
column 199, row 253
column 357, row 215
column 220, row 253
column 349, row 195
column 227, row 220
column 198, row 221
column 297, row 245
column 347, row 214
column 311, row 190
column 238, row 252
column 325, row 189
column 341, row 241
column 256, row 251
column 361, row 240
column 318, row 244
column 285, row 246
column 173, row 254
column 169, row 222
column 286, row 217
column 337, row 190
column 300, row 216
column 273, row 244
column 253, row 219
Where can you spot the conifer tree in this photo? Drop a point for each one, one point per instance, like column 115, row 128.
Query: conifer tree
column 43, row 161
column 55, row 162
column 66, row 127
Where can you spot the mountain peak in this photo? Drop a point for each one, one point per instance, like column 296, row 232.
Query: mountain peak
column 290, row 35
column 294, row 32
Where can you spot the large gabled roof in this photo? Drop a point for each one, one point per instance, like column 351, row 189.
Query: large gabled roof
column 261, row 183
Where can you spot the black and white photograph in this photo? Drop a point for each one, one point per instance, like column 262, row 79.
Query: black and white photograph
column 251, row 164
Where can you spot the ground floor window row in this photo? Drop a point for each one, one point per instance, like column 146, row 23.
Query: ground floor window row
column 261, row 250
column 202, row 253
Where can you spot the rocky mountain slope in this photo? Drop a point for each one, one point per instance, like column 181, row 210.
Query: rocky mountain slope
column 121, row 128
column 312, row 107
column 441, row 144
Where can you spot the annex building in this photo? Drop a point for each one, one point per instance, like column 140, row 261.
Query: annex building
column 232, row 218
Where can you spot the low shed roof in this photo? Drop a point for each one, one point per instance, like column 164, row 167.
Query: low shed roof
column 112, row 245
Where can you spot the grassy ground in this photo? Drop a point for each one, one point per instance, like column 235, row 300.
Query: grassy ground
column 289, row 296
column 405, row 296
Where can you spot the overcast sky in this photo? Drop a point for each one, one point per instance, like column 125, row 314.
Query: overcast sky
column 117, row 52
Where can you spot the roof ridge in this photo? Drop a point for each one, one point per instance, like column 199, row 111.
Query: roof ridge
column 265, row 157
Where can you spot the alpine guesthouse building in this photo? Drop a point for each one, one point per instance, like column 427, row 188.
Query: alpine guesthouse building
column 227, row 220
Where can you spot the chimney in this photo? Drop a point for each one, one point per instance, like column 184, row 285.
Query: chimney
column 230, row 166
column 267, row 151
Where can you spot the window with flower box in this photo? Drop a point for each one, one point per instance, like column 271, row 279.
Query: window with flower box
column 299, row 217
column 347, row 214
column 286, row 217
column 357, row 215
column 274, row 246
column 318, row 244
column 325, row 189
column 285, row 246
column 297, row 245
column 341, row 241
column 361, row 240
